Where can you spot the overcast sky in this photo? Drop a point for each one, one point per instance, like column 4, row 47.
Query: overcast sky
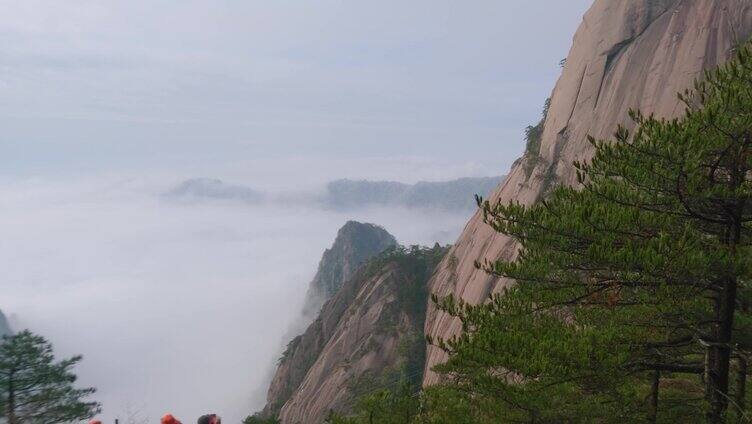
column 104, row 103
column 93, row 85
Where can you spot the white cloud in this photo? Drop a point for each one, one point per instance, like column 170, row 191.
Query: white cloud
column 106, row 103
column 175, row 307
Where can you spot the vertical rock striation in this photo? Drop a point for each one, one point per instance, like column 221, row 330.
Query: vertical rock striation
column 626, row 54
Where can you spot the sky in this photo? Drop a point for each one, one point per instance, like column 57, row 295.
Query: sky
column 105, row 105
column 99, row 85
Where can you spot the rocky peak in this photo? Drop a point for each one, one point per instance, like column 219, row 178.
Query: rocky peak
column 355, row 244
column 369, row 330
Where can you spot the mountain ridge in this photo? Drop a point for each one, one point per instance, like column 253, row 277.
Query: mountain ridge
column 372, row 327
column 346, row 194
column 355, row 244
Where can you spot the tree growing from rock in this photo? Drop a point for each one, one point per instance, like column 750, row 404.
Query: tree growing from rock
column 631, row 294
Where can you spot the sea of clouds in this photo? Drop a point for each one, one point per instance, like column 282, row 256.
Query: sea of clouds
column 176, row 306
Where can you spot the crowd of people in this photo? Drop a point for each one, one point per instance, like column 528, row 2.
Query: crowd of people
column 170, row 419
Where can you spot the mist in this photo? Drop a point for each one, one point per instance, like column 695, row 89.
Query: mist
column 184, row 306
column 176, row 306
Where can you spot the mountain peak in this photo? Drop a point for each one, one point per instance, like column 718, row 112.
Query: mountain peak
column 356, row 243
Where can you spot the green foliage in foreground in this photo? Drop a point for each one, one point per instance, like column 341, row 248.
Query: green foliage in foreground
column 36, row 389
column 632, row 294
column 633, row 300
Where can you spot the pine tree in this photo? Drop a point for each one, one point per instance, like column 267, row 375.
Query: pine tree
column 36, row 389
column 632, row 291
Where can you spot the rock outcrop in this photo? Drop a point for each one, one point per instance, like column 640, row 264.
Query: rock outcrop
column 355, row 244
column 626, row 54
column 370, row 331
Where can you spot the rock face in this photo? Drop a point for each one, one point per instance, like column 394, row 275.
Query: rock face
column 355, row 244
column 626, row 54
column 371, row 329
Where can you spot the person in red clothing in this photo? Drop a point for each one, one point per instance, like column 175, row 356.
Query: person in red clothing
column 169, row 419
column 95, row 422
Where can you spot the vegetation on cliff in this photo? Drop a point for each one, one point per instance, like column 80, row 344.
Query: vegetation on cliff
column 368, row 338
column 632, row 295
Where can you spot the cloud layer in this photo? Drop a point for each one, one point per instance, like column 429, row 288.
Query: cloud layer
column 178, row 307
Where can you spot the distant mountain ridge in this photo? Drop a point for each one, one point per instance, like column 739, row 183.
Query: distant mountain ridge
column 213, row 188
column 456, row 194
column 345, row 194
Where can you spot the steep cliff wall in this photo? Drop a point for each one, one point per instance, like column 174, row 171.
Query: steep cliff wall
column 626, row 54
column 372, row 331
column 355, row 244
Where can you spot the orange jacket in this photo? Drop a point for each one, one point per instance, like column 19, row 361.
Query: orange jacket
column 169, row 419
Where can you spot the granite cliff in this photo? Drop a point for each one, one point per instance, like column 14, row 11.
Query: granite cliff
column 369, row 335
column 355, row 244
column 626, row 54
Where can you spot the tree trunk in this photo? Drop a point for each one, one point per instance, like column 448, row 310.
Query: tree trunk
column 654, row 390
column 718, row 382
column 741, row 387
column 11, row 406
column 725, row 308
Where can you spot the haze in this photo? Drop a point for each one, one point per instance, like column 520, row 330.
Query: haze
column 105, row 104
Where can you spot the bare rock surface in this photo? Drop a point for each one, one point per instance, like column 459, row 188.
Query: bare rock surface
column 355, row 244
column 626, row 54
column 371, row 330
